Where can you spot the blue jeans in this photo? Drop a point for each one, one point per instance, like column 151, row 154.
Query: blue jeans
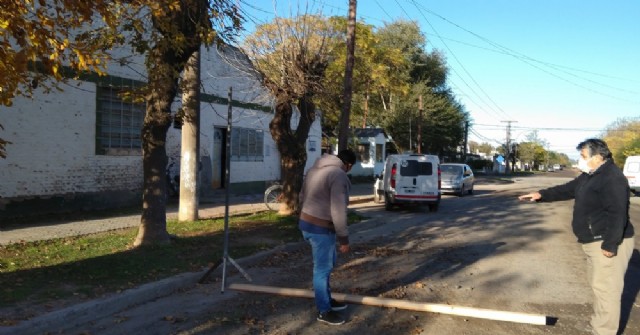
column 323, row 248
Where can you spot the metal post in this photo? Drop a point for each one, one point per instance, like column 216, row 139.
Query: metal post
column 227, row 166
column 227, row 178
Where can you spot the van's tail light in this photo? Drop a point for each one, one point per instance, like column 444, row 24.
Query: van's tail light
column 393, row 176
column 439, row 178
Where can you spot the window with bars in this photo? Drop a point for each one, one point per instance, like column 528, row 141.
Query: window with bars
column 247, row 144
column 118, row 122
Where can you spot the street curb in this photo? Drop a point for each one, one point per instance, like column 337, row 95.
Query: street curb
column 360, row 200
column 82, row 313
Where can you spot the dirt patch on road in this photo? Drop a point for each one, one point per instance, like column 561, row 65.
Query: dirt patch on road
column 385, row 269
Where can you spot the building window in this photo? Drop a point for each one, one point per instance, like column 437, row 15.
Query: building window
column 247, row 144
column 118, row 122
column 363, row 153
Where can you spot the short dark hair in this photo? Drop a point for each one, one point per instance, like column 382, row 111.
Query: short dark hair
column 595, row 146
column 347, row 156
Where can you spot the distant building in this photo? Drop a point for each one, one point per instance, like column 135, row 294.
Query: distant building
column 372, row 147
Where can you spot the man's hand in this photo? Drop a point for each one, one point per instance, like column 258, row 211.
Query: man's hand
column 533, row 196
column 608, row 254
column 344, row 248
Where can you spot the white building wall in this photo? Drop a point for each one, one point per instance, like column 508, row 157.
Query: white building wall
column 217, row 76
column 53, row 139
column 53, row 148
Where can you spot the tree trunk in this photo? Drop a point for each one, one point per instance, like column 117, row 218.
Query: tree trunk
column 343, row 133
column 165, row 62
column 292, row 147
column 163, row 86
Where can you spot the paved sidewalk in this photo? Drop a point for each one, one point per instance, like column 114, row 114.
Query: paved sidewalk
column 212, row 207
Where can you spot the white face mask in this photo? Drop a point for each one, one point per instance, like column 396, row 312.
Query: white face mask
column 583, row 166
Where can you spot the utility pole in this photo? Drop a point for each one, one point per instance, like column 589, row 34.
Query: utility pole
column 420, row 124
column 343, row 132
column 366, row 110
column 466, row 137
column 508, row 144
column 190, row 148
column 410, row 139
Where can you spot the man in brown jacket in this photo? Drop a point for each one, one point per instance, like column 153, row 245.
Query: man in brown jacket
column 323, row 220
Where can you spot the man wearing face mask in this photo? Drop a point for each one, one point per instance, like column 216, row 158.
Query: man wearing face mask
column 601, row 224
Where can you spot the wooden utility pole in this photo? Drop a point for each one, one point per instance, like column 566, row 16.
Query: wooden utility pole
column 343, row 133
column 366, row 110
column 482, row 313
column 466, row 138
column 420, row 124
column 190, row 150
column 508, row 145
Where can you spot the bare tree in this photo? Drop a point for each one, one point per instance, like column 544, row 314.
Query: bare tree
column 291, row 55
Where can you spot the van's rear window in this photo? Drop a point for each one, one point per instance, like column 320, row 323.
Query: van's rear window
column 415, row 168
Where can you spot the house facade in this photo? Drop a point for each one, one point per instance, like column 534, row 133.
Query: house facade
column 80, row 148
column 372, row 147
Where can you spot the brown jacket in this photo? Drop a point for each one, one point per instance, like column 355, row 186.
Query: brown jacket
column 325, row 196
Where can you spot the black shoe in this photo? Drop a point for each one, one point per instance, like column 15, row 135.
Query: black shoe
column 337, row 306
column 331, row 318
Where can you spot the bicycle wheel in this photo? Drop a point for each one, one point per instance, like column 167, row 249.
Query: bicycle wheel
column 273, row 197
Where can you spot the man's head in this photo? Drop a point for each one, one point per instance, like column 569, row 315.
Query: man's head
column 594, row 147
column 348, row 158
column 593, row 153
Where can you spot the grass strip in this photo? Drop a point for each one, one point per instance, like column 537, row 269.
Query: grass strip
column 91, row 266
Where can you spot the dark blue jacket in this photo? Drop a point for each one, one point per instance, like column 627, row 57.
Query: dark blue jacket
column 601, row 208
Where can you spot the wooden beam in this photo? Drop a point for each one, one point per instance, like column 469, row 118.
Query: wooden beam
column 402, row 304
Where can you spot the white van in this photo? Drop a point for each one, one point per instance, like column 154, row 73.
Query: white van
column 409, row 179
column 631, row 170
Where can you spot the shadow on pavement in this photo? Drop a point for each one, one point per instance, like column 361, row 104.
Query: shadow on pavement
column 631, row 288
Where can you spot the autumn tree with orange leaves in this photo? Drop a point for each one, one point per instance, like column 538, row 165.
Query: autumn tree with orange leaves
column 44, row 42
column 36, row 42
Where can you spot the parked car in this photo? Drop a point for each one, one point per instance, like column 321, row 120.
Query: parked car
column 557, row 167
column 457, row 178
column 409, row 179
column 631, row 170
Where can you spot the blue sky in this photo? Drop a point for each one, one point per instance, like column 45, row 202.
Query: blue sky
column 566, row 68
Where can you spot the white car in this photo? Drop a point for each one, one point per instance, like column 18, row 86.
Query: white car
column 457, row 178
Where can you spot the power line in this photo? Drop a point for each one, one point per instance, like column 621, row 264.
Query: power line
column 528, row 60
column 453, row 54
column 542, row 128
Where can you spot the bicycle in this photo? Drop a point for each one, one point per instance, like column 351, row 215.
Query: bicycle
column 172, row 177
column 273, row 196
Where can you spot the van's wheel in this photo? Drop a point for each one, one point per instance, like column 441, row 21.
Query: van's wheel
column 387, row 203
column 433, row 207
column 470, row 191
column 461, row 193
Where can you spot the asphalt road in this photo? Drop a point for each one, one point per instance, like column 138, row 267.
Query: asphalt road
column 485, row 251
